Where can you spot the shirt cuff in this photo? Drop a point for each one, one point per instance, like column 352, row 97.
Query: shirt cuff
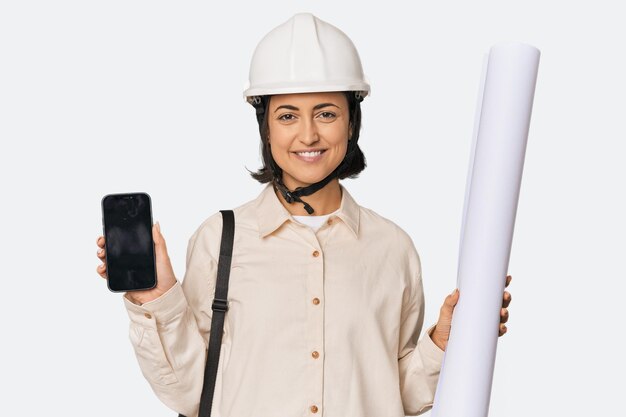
column 429, row 349
column 159, row 311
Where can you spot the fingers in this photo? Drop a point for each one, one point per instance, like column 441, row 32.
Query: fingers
column 100, row 254
column 504, row 315
column 506, row 299
column 101, row 270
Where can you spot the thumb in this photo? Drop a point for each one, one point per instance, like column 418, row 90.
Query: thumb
column 448, row 305
column 159, row 241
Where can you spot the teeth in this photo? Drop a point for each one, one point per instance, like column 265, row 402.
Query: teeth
column 309, row 154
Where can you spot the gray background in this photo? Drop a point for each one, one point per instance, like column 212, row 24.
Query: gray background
column 81, row 81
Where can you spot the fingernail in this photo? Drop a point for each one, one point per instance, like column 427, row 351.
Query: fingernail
column 158, row 226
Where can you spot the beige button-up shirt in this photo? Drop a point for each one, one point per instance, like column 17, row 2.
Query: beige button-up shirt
column 320, row 323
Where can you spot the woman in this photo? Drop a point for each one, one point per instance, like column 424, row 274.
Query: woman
column 325, row 296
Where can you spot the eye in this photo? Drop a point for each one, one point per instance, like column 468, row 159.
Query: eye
column 327, row 115
column 287, row 117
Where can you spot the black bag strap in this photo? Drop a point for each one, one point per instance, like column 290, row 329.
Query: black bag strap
column 219, row 307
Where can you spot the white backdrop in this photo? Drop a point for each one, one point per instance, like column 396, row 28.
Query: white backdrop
column 115, row 96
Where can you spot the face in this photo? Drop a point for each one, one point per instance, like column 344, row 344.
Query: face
column 308, row 122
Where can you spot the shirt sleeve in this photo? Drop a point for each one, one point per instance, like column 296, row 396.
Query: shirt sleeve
column 419, row 361
column 170, row 334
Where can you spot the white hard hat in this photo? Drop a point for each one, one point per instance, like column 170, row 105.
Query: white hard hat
column 305, row 54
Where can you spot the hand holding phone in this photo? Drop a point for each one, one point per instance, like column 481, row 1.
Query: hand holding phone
column 166, row 279
column 133, row 250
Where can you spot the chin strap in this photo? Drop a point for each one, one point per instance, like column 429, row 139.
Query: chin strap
column 293, row 196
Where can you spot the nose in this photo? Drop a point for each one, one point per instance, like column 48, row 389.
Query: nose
column 308, row 132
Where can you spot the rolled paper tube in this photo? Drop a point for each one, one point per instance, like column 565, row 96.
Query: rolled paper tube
column 499, row 142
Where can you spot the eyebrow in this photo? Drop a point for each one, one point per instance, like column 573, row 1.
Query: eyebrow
column 317, row 107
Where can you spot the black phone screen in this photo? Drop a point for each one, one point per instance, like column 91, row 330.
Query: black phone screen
column 127, row 224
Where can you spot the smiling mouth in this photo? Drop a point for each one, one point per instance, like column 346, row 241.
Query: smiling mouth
column 310, row 154
column 310, row 157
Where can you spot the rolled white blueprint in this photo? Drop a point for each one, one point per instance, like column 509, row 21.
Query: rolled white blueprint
column 492, row 193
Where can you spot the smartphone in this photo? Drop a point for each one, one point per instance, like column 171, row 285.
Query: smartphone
column 129, row 247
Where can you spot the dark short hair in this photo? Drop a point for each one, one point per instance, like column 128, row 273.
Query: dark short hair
column 265, row 173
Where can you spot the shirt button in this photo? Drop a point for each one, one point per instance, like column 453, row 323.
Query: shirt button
column 329, row 221
column 315, row 354
column 148, row 315
column 316, row 253
column 314, row 409
column 316, row 301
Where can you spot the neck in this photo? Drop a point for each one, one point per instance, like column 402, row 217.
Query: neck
column 324, row 201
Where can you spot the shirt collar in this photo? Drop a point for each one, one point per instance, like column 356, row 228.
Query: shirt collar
column 272, row 214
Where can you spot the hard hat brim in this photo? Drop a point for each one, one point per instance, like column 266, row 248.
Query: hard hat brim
column 314, row 87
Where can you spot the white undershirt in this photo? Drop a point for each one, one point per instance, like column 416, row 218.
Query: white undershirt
column 314, row 222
